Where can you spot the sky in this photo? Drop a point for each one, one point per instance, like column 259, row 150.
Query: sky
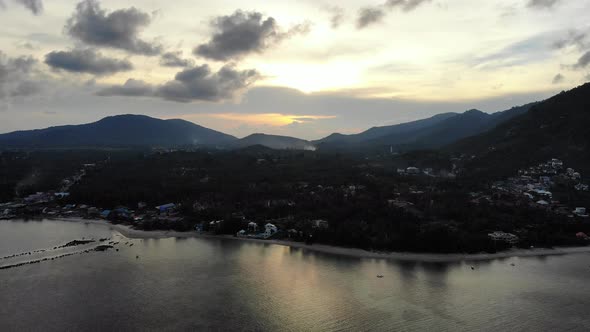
column 303, row 68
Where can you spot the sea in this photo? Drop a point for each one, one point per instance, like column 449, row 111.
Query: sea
column 211, row 284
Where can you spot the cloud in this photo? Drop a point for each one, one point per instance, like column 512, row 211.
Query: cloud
column 86, row 61
column 131, row 88
column 558, row 79
column 243, row 33
column 405, row 5
column 523, row 52
column 26, row 46
column 370, row 15
column 16, row 76
column 583, row 61
column 26, row 88
column 336, row 15
column 193, row 84
column 118, row 29
column 311, row 118
column 574, row 38
column 174, row 59
column 35, row 6
column 542, row 3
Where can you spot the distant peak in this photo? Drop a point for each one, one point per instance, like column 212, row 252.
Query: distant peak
column 474, row 111
column 127, row 116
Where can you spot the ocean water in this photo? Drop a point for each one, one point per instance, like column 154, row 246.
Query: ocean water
column 231, row 285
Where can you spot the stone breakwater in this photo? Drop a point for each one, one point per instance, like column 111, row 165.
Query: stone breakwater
column 56, row 249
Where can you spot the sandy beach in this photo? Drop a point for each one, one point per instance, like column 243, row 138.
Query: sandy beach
column 131, row 233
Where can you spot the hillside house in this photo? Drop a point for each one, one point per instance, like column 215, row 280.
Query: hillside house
column 320, row 224
column 166, row 208
column 252, row 227
column 504, row 237
column 580, row 212
column 215, row 225
column 270, row 230
column 105, row 214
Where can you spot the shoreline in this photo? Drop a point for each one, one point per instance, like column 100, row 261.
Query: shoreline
column 131, row 233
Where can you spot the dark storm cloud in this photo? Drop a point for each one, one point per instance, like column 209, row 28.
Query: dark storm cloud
column 542, row 3
column 118, row 29
column 86, row 61
column 243, row 33
column 174, row 59
column 194, row 84
column 16, row 76
column 370, row 15
column 35, row 6
column 558, row 79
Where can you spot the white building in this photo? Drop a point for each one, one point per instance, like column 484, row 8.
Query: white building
column 320, row 224
column 580, row 212
column 215, row 225
column 252, row 227
column 270, row 230
column 505, row 237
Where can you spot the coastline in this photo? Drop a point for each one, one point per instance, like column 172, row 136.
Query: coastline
column 131, row 233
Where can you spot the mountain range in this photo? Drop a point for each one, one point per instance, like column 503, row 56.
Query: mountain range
column 433, row 132
column 564, row 116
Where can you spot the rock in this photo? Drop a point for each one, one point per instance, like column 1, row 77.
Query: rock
column 103, row 247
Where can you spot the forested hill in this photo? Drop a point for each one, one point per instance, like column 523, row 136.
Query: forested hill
column 558, row 127
column 120, row 130
column 274, row 142
column 434, row 132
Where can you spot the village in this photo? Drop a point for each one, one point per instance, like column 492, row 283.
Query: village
column 299, row 211
column 533, row 186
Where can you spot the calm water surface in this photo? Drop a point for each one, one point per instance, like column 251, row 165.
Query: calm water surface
column 215, row 284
